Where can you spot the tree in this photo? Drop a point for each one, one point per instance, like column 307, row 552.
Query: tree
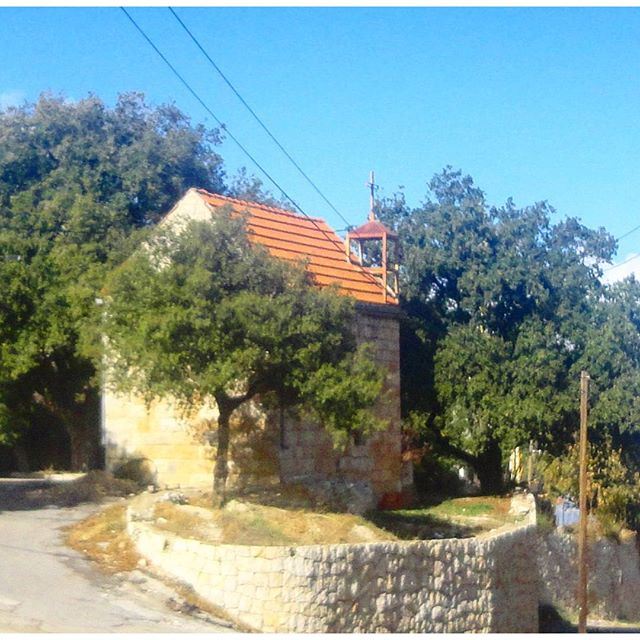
column 499, row 301
column 76, row 180
column 611, row 355
column 250, row 188
column 201, row 313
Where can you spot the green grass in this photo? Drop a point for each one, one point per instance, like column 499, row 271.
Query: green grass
column 453, row 518
column 457, row 508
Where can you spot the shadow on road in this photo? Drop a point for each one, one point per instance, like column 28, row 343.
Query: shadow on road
column 551, row 621
column 21, row 494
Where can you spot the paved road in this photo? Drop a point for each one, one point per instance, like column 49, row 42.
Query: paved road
column 45, row 586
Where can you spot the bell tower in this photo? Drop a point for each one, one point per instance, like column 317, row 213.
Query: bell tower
column 374, row 247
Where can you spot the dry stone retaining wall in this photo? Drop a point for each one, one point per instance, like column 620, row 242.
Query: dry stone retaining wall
column 483, row 584
column 614, row 575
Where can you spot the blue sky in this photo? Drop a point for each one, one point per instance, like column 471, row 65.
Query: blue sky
column 537, row 104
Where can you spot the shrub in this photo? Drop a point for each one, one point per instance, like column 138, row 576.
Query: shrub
column 613, row 488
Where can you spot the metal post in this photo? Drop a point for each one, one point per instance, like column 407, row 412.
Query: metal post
column 372, row 198
column 582, row 536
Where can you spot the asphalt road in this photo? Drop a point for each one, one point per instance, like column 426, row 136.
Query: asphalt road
column 48, row 587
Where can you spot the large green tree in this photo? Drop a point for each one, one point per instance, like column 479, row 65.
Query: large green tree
column 76, row 180
column 201, row 313
column 611, row 355
column 500, row 303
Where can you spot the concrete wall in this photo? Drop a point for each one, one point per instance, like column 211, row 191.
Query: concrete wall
column 177, row 452
column 614, row 575
column 483, row 584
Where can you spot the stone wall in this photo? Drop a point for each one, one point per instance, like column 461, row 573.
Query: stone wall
column 177, row 453
column 483, row 584
column 614, row 575
column 155, row 439
column 308, row 454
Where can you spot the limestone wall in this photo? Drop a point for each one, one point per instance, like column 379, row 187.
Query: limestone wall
column 177, row 453
column 484, row 584
column 614, row 575
column 308, row 453
column 156, row 439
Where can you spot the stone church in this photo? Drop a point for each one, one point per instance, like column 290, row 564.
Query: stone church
column 267, row 449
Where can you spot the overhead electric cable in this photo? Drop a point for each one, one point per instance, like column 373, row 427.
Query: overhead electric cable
column 624, row 235
column 258, row 119
column 615, row 266
column 209, row 111
column 239, row 144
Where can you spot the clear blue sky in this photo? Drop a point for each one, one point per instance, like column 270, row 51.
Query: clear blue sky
column 533, row 103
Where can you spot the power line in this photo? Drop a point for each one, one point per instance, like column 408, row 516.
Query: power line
column 629, row 259
column 624, row 235
column 615, row 266
column 208, row 110
column 239, row 144
column 257, row 118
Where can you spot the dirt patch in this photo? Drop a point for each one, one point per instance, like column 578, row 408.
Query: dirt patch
column 104, row 539
column 254, row 524
column 289, row 496
column 243, row 521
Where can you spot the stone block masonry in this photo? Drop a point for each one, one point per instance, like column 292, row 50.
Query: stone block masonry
column 483, row 584
column 178, row 453
column 613, row 570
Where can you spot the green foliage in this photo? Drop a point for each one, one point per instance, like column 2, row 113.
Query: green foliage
column 545, row 522
column 76, row 179
column 201, row 312
column 248, row 187
column 500, row 303
column 613, row 488
column 340, row 394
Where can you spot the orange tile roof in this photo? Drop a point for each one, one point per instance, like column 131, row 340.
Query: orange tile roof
column 292, row 237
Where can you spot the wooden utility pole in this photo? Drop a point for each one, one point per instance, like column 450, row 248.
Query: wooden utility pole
column 582, row 535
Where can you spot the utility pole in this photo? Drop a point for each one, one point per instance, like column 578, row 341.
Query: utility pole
column 582, row 535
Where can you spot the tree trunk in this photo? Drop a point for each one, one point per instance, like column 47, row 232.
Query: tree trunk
column 489, row 469
column 220, row 469
column 82, row 426
column 80, row 445
column 21, row 457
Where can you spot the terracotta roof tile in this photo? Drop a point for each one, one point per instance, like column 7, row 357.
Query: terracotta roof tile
column 290, row 236
column 372, row 229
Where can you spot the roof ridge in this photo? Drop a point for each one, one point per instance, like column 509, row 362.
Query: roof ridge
column 259, row 205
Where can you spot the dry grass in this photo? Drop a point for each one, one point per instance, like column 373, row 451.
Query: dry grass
column 289, row 496
column 103, row 538
column 91, row 487
column 295, row 522
column 254, row 524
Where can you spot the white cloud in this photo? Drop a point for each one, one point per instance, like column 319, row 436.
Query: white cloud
column 624, row 268
column 11, row 98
